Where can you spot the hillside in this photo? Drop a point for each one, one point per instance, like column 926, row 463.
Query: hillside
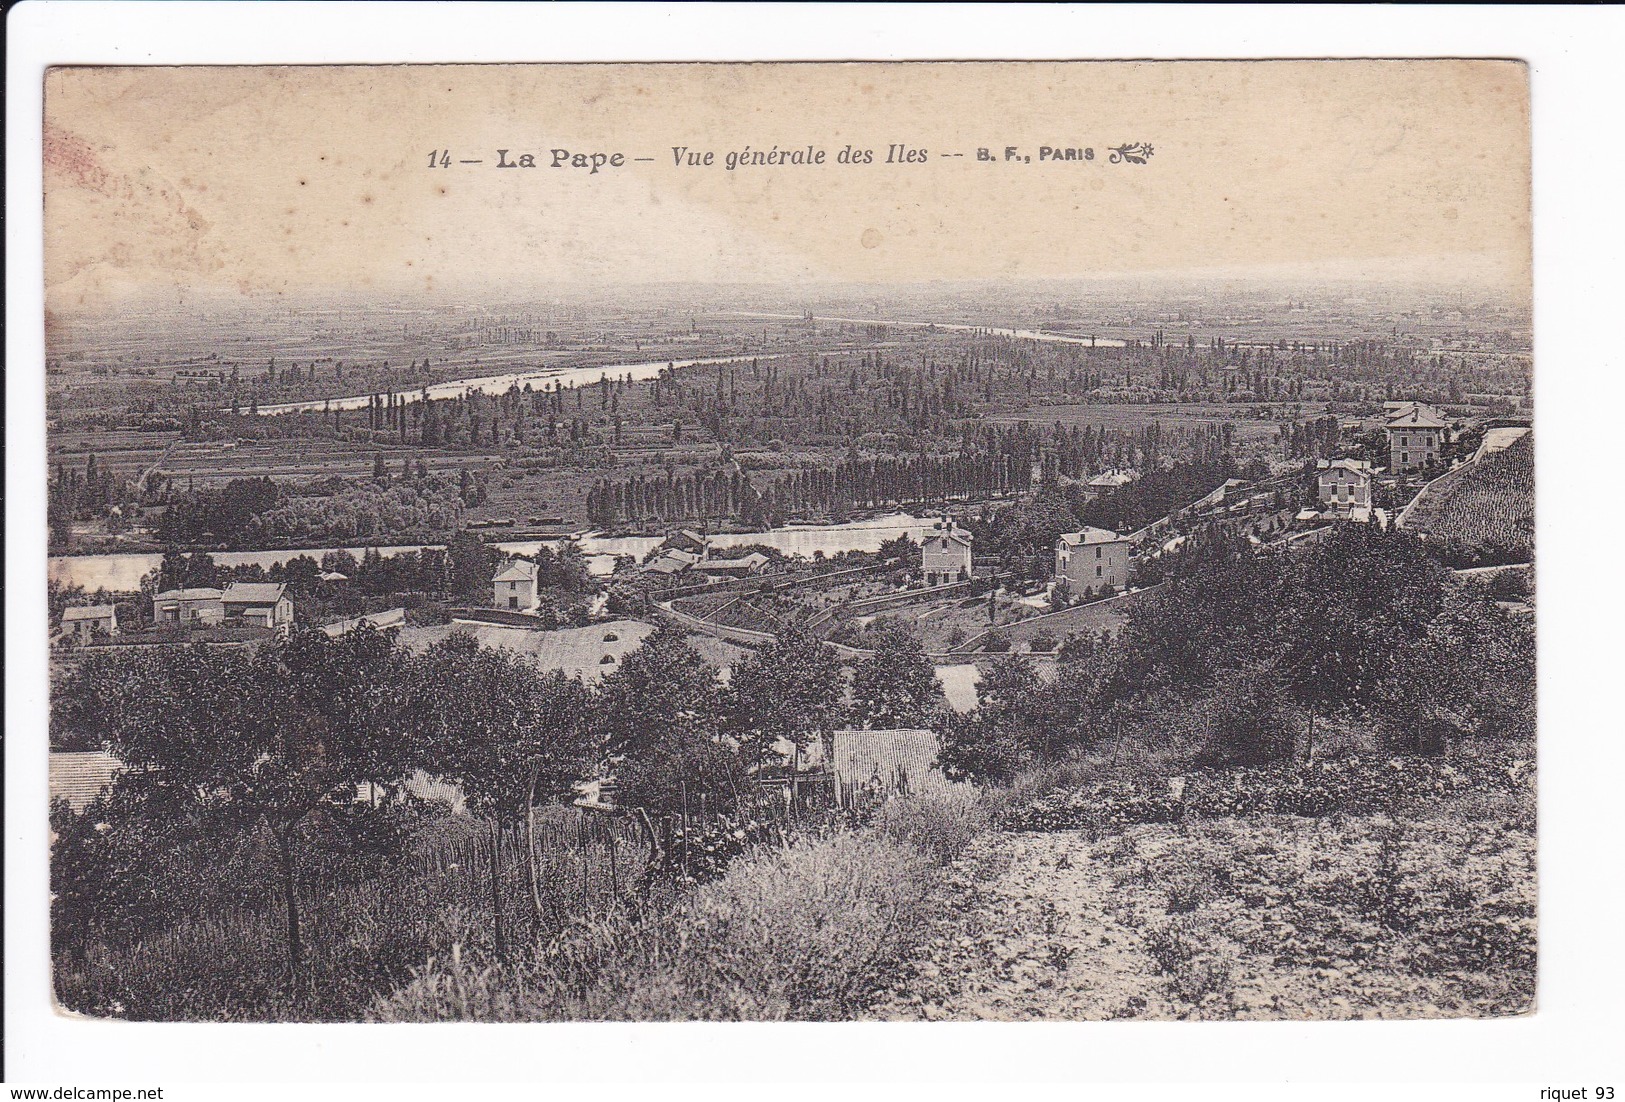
column 1486, row 512
column 1268, row 918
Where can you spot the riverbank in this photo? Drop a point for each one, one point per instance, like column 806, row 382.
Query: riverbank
column 122, row 572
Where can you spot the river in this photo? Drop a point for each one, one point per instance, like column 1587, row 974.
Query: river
column 123, row 572
column 990, row 330
column 566, row 377
column 569, row 377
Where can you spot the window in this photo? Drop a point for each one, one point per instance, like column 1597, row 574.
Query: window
column 1097, row 571
column 1097, row 552
column 1404, row 457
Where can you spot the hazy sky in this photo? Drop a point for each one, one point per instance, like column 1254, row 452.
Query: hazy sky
column 296, row 179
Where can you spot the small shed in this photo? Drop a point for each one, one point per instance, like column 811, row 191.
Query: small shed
column 85, row 621
column 898, row 761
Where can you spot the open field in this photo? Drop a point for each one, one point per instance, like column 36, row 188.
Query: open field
column 127, row 454
column 942, row 625
column 578, row 652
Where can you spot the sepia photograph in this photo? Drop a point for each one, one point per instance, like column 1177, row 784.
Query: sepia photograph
column 1004, row 541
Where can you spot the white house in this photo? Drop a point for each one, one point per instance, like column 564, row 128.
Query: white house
column 86, row 621
column 1345, row 485
column 514, row 586
column 945, row 554
column 1092, row 559
column 1416, row 434
column 257, row 604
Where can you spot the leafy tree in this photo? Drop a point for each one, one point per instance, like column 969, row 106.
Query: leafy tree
column 791, row 689
column 261, row 741
column 1001, row 736
column 658, row 719
column 506, row 733
column 1248, row 717
column 896, row 686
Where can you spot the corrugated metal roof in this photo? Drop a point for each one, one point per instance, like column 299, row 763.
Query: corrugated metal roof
column 79, row 777
column 901, row 758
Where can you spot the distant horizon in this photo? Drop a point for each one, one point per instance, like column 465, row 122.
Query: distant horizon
column 1108, row 286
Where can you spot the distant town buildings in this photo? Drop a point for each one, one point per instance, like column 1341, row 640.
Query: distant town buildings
column 87, row 621
column 514, row 586
column 1092, row 559
column 1416, row 435
column 945, row 554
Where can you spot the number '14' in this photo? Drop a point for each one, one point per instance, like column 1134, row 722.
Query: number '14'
column 439, row 158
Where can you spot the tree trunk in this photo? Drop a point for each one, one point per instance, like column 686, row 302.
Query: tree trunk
column 290, row 899
column 500, row 934
column 530, row 860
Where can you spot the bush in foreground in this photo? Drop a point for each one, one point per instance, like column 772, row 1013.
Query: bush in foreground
column 804, row 932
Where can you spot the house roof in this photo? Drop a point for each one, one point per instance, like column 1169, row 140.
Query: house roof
column 1089, row 535
column 727, row 566
column 80, row 777
column 955, row 533
column 900, row 758
column 1358, row 466
column 1110, row 478
column 253, row 593
column 516, row 570
column 195, row 594
column 86, row 612
column 673, row 562
column 1416, row 417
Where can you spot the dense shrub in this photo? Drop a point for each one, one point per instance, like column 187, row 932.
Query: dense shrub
column 1359, row 785
column 803, row 932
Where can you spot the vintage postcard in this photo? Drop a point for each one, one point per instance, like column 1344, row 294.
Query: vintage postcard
column 873, row 541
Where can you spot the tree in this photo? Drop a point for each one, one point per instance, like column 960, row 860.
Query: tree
column 1360, row 599
column 1248, row 717
column 790, row 690
column 896, row 686
column 491, row 722
column 260, row 741
column 658, row 722
column 473, row 564
column 1002, row 735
